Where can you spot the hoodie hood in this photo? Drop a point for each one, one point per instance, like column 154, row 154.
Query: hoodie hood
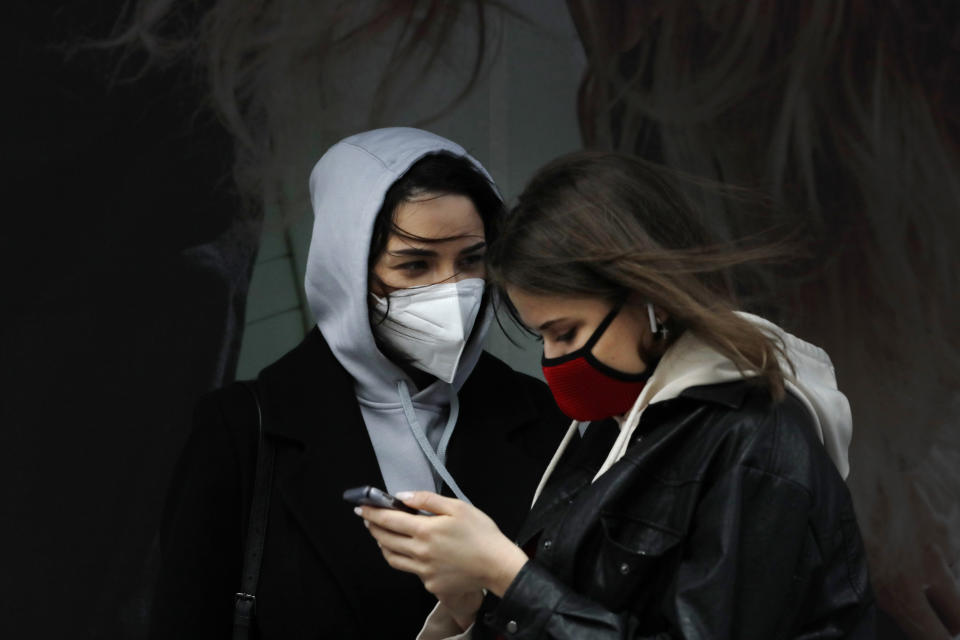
column 347, row 188
column 690, row 362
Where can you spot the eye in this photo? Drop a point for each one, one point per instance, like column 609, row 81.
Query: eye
column 417, row 265
column 472, row 260
column 566, row 337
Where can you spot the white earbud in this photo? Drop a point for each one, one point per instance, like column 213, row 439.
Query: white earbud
column 653, row 319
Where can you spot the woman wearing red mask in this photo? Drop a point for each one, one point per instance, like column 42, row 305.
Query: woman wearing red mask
column 699, row 492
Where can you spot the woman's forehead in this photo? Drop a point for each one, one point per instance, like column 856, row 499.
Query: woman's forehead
column 536, row 309
column 437, row 217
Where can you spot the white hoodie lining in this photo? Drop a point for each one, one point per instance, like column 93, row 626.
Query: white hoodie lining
column 690, row 362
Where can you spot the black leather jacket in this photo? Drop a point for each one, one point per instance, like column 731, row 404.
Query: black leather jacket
column 725, row 519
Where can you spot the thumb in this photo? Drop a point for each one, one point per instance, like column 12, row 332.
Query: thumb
column 429, row 501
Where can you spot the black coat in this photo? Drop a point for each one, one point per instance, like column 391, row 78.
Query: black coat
column 725, row 519
column 323, row 575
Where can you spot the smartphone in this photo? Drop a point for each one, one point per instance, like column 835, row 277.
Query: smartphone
column 377, row 498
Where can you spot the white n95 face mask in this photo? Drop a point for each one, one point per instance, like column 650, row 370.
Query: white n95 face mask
column 431, row 325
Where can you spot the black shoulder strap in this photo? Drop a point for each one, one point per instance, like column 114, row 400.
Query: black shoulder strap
column 245, row 601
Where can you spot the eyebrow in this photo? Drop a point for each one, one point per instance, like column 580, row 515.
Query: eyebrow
column 413, row 252
column 473, row 247
column 429, row 253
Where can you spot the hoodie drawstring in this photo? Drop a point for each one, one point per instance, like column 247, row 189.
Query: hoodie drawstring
column 437, row 457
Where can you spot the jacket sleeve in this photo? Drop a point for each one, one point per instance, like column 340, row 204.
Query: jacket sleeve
column 200, row 536
column 745, row 564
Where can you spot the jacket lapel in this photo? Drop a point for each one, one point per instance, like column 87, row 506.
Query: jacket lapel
column 576, row 470
column 309, row 399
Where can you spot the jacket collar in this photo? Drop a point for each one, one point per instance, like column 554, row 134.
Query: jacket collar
column 297, row 389
column 729, row 394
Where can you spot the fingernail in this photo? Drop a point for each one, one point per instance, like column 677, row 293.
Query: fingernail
column 405, row 495
column 358, row 511
column 366, row 523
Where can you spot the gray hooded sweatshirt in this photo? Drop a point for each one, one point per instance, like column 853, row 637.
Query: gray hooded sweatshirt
column 347, row 187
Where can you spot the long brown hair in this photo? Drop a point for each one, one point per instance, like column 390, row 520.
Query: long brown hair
column 606, row 225
column 846, row 112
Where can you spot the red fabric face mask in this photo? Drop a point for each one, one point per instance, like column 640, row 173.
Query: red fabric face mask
column 585, row 388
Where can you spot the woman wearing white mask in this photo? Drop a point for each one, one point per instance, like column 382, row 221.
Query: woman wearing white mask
column 392, row 389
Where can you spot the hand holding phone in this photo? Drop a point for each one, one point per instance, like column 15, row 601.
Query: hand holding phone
column 374, row 497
